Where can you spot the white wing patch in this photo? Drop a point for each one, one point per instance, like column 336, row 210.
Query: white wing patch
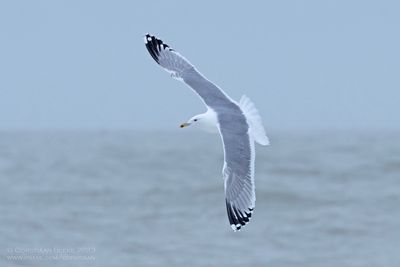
column 254, row 120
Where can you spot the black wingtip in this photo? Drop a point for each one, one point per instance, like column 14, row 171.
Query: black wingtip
column 236, row 218
column 153, row 50
column 154, row 46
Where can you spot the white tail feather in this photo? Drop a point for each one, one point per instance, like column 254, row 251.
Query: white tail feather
column 254, row 120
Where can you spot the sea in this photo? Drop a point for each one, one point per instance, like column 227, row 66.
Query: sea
column 125, row 198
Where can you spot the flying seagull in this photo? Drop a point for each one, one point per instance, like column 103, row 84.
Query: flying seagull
column 239, row 125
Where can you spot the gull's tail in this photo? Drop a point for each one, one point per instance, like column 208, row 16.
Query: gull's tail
column 254, row 120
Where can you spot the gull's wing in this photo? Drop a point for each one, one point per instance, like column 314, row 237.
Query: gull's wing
column 238, row 171
column 181, row 68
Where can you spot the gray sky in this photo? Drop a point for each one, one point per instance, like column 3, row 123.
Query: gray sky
column 307, row 65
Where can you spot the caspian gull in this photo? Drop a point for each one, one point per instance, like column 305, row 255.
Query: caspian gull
column 239, row 125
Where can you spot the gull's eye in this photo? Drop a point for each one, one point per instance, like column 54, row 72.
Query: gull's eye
column 195, row 120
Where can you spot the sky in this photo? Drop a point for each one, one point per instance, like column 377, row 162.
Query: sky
column 307, row 65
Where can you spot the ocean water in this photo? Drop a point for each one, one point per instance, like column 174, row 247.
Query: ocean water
column 156, row 199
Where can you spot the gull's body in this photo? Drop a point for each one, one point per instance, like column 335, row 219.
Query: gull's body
column 239, row 125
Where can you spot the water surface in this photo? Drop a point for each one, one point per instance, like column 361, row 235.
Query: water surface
column 156, row 199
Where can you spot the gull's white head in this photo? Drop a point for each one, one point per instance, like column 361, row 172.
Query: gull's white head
column 206, row 121
column 195, row 120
